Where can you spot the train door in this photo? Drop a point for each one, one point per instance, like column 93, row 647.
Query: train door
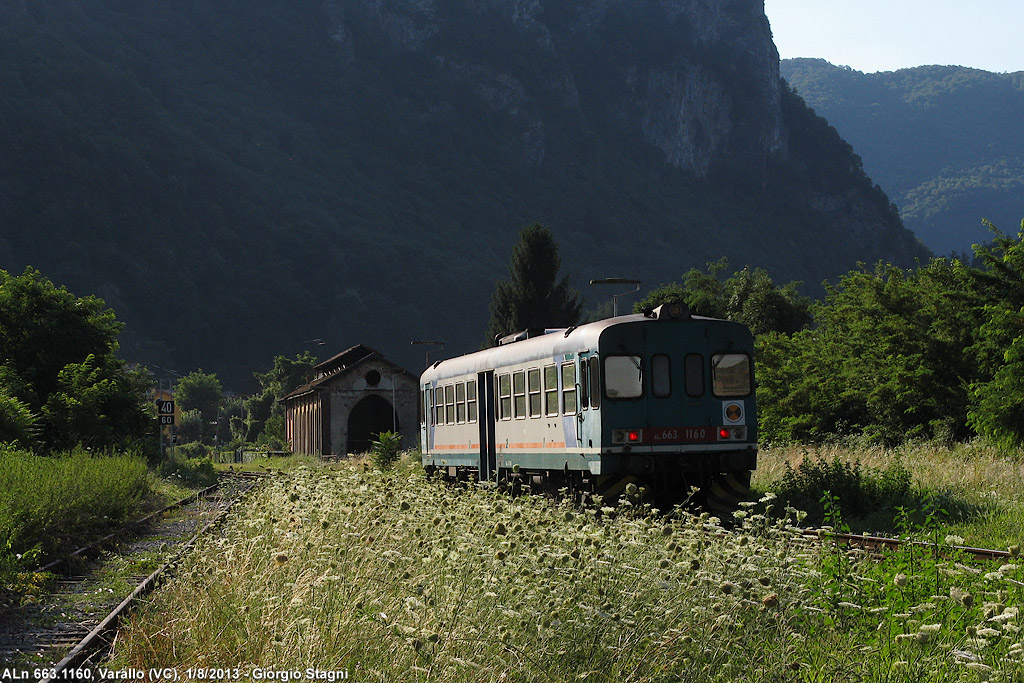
column 589, row 382
column 486, row 422
column 426, row 419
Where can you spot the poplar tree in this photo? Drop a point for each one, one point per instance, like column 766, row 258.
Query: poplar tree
column 533, row 297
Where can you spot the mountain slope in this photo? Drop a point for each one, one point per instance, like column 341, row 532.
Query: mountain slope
column 945, row 142
column 237, row 177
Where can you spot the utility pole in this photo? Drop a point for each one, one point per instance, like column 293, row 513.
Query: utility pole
column 423, row 342
column 615, row 297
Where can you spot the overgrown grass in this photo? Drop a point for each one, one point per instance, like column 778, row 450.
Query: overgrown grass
column 196, row 472
column 270, row 464
column 970, row 490
column 392, row 576
column 50, row 502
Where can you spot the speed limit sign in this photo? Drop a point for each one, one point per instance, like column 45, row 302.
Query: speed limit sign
column 166, row 411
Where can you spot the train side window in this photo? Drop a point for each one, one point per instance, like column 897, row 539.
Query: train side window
column 449, row 404
column 425, row 407
column 533, row 387
column 505, row 396
column 460, row 402
column 730, row 374
column 551, row 390
column 438, row 406
column 661, row 375
column 694, row 368
column 519, row 393
column 623, row 377
column 471, row 400
column 594, row 372
column 568, row 388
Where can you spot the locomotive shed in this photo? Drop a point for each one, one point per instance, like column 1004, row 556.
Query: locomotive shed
column 353, row 396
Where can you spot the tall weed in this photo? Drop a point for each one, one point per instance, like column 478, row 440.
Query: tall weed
column 46, row 502
column 395, row 576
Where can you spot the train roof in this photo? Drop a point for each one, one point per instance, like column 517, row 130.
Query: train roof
column 552, row 343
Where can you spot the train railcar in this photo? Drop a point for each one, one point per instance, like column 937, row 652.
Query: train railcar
column 664, row 399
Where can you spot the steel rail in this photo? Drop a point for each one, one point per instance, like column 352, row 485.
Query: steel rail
column 192, row 497
column 883, row 542
column 94, row 640
column 196, row 496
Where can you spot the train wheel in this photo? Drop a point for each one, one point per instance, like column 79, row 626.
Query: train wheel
column 727, row 491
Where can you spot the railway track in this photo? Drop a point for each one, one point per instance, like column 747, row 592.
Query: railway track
column 877, row 544
column 67, row 630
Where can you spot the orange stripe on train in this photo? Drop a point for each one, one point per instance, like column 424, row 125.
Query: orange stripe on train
column 476, row 446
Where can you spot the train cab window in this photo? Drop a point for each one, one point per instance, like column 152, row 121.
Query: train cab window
column 594, row 379
column 460, row 402
column 569, row 388
column 533, row 387
column 471, row 400
column 623, row 377
column 730, row 374
column 519, row 394
column 551, row 390
column 425, row 407
column 693, row 366
column 449, row 404
column 505, row 397
column 661, row 375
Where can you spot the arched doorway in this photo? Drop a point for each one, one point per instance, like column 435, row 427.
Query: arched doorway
column 368, row 418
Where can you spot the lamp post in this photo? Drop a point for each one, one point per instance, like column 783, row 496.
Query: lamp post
column 615, row 297
column 424, row 342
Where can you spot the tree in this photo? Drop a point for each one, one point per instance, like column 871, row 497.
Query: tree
column 198, row 391
column 59, row 371
column 997, row 400
column 673, row 291
column 44, row 327
column 264, row 412
column 749, row 297
column 96, row 403
column 887, row 359
column 532, row 298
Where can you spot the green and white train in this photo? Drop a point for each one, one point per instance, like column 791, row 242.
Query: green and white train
column 664, row 400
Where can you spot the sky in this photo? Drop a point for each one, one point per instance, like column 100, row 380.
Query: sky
column 885, row 35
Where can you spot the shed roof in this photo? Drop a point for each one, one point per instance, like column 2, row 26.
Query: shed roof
column 343, row 360
column 337, row 365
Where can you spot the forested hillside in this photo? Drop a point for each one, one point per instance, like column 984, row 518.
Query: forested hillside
column 237, row 178
column 946, row 143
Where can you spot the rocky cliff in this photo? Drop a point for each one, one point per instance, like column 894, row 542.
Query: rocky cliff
column 698, row 79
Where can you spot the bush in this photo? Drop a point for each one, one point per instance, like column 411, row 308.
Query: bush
column 384, row 450
column 191, row 463
column 860, row 492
